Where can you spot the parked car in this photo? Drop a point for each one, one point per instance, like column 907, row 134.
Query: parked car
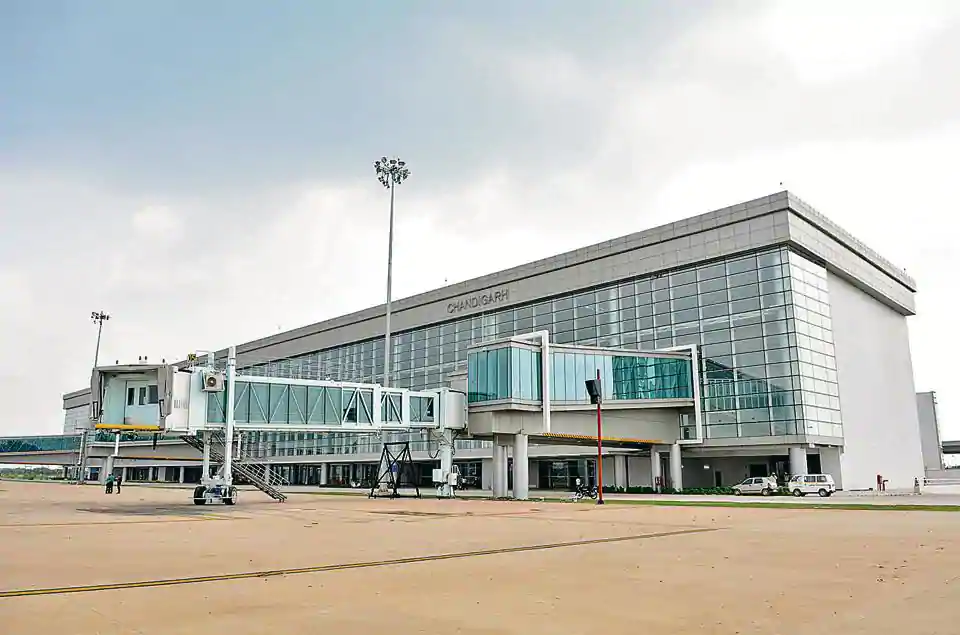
column 803, row 484
column 763, row 485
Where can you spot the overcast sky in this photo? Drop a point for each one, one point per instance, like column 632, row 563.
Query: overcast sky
column 203, row 171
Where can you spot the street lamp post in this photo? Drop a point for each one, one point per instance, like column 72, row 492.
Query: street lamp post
column 390, row 173
column 595, row 391
column 98, row 317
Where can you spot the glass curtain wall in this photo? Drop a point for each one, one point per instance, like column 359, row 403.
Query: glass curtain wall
column 762, row 321
column 512, row 372
column 820, row 390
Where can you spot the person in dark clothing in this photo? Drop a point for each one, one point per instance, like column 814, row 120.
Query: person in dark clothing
column 119, row 481
column 110, row 481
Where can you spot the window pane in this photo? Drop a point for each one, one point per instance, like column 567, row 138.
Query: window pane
column 711, row 271
column 741, row 265
column 516, row 380
column 503, row 373
column 768, row 258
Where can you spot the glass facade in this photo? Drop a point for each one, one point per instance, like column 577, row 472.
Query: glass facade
column 59, row 443
column 508, row 372
column 513, row 372
column 651, row 378
column 819, row 388
column 287, row 404
column 762, row 321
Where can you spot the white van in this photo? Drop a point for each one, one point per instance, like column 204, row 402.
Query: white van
column 803, row 484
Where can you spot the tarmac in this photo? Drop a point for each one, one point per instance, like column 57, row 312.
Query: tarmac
column 75, row 560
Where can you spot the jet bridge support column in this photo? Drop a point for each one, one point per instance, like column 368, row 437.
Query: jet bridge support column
column 206, row 455
column 445, row 443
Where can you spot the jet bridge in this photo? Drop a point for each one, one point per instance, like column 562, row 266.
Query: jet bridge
column 203, row 403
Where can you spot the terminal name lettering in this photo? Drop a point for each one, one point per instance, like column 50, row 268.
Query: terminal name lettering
column 479, row 300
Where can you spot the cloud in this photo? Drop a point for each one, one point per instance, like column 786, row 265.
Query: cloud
column 600, row 144
column 817, row 42
column 157, row 222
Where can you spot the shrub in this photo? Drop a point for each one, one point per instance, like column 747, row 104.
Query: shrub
column 694, row 491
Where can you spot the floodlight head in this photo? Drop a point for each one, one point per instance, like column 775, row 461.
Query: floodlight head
column 390, row 172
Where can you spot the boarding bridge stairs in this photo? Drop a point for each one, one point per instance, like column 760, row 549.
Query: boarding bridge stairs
column 243, row 465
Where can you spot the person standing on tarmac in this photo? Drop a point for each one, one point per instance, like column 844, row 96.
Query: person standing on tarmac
column 109, row 489
column 119, row 482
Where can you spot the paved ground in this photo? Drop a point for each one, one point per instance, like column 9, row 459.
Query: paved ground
column 949, row 495
column 424, row 566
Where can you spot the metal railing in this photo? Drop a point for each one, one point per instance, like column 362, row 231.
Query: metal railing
column 253, row 473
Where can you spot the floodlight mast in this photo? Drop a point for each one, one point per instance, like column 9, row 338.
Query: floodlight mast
column 391, row 173
column 98, row 317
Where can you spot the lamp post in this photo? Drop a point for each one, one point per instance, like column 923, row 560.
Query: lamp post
column 390, row 173
column 98, row 317
column 595, row 391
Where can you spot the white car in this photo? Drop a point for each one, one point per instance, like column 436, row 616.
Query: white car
column 763, row 485
column 803, row 484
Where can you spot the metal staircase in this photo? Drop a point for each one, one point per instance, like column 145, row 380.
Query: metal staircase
column 254, row 473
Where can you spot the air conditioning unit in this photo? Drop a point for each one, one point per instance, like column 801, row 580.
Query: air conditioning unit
column 213, row 381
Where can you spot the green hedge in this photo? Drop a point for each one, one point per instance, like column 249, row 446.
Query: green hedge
column 696, row 491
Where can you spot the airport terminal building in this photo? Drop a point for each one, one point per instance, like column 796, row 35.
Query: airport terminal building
column 800, row 333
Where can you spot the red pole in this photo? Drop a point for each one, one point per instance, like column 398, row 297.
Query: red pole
column 599, row 445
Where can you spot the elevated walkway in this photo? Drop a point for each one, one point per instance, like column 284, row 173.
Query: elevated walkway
column 61, row 449
column 40, row 444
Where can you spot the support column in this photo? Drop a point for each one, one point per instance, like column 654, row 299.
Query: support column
column 830, row 464
column 521, row 468
column 324, row 471
column 499, row 469
column 798, row 460
column 183, row 474
column 267, row 473
column 162, row 473
column 486, row 473
column 106, row 468
column 446, row 462
column 504, row 477
column 206, row 456
column 82, row 457
column 655, row 474
column 676, row 471
column 228, row 425
column 620, row 470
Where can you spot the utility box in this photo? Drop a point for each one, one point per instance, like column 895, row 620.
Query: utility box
column 438, row 476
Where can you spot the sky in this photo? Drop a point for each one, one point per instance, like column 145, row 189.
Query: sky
column 203, row 171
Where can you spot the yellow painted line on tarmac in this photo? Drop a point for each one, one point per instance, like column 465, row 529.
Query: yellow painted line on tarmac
column 114, row 522
column 118, row 586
